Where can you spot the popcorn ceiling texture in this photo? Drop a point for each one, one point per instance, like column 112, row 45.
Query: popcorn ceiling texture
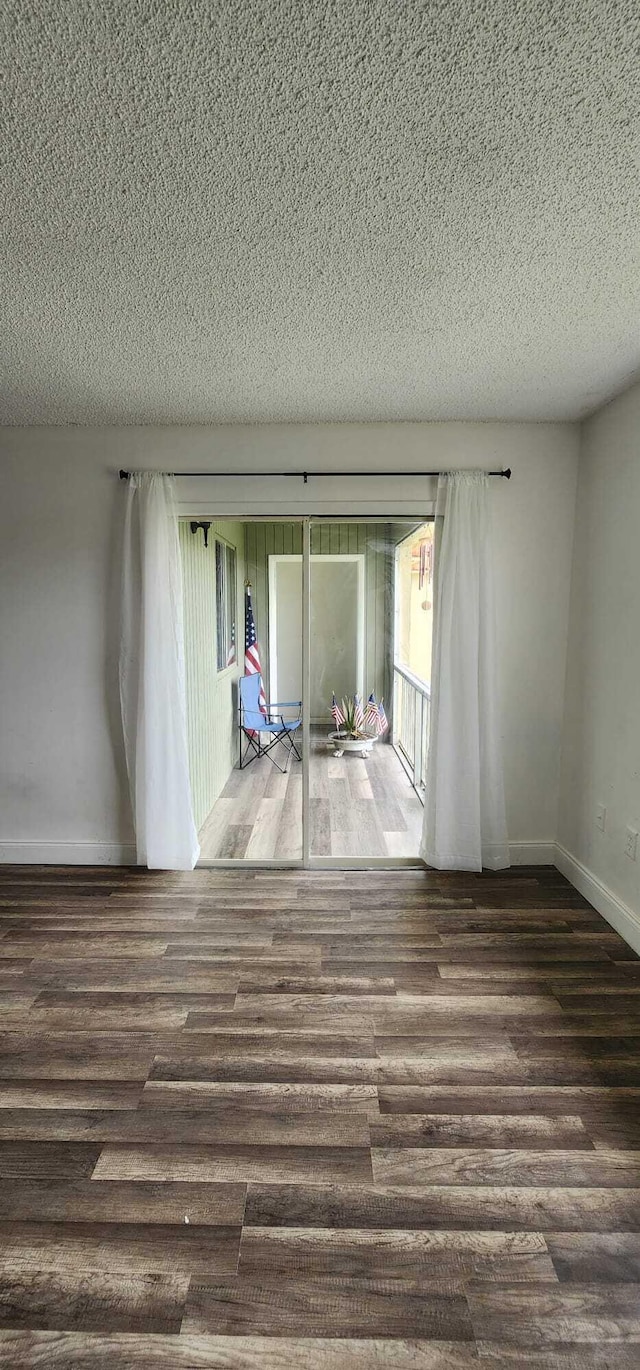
column 344, row 210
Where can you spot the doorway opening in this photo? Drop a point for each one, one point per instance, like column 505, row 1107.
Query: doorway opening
column 331, row 614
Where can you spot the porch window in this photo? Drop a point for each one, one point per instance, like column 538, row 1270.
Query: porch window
column 226, row 597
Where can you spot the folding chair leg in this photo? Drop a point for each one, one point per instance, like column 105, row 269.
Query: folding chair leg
column 293, row 750
column 253, row 746
column 258, row 750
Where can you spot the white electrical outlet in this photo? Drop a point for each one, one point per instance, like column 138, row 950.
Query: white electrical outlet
column 601, row 817
column 630, row 842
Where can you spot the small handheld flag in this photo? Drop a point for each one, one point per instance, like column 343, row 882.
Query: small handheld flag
column 371, row 715
column 358, row 712
column 336, row 713
column 382, row 720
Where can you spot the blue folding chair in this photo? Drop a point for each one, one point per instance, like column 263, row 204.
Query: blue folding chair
column 256, row 726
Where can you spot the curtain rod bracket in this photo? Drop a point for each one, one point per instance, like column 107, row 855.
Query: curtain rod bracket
column 205, row 529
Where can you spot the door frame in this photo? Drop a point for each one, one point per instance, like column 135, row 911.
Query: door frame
column 274, row 560
column 245, row 515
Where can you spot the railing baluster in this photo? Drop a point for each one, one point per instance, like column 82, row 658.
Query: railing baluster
column 412, row 706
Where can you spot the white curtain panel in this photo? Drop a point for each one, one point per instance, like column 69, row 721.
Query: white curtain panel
column 464, row 818
column 152, row 677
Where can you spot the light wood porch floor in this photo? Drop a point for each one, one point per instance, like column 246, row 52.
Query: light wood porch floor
column 358, row 808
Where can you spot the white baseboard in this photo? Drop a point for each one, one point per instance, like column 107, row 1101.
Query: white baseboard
column 67, row 854
column 124, row 854
column 532, row 853
column 616, row 912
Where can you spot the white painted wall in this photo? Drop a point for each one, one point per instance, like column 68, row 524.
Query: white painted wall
column 63, row 791
column 601, row 750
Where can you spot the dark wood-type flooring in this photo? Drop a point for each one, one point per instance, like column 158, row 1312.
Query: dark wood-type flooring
column 333, row 1121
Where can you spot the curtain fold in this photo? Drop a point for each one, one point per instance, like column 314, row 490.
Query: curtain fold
column 152, row 677
column 464, row 820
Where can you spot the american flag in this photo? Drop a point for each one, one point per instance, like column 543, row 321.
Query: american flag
column 336, row 712
column 382, row 719
column 251, row 649
column 359, row 712
column 231, row 654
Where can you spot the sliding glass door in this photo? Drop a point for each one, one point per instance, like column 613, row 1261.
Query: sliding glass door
column 243, row 647
column 364, row 804
column 308, row 661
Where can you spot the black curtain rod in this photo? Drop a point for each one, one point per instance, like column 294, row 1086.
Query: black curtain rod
column 304, row 475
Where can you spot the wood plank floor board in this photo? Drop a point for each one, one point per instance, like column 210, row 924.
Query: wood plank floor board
column 333, row 942
column 452, row 1207
column 162, row 925
column 542, row 1169
column 418, row 1257
column 426, row 979
column 131, row 1248
column 333, row 1119
column 217, row 1040
column 264, row 982
column 487, row 1049
column 106, row 945
column 285, row 1162
column 579, row 1047
column 220, row 1126
column 138, row 1203
column 498, row 1099
column 77, row 1055
column 290, row 1098
column 626, row 1001
column 128, row 975
column 567, row 1356
column 91, row 1300
column 574, row 941
column 596, row 1257
column 620, row 1131
column 51, row 1160
column 594, row 974
column 306, row 1307
column 322, row 1019
column 420, row 1008
column 530, row 1132
column 15, row 1005
column 327, row 1069
column 553, row 1317
column 21, row 1350
column 65, row 1094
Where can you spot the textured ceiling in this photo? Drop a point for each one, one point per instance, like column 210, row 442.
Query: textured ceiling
column 286, row 210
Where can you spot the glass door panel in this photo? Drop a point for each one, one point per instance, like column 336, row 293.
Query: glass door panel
column 243, row 625
column 370, row 642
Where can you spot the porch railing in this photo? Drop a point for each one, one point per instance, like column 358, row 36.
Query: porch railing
column 411, row 704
